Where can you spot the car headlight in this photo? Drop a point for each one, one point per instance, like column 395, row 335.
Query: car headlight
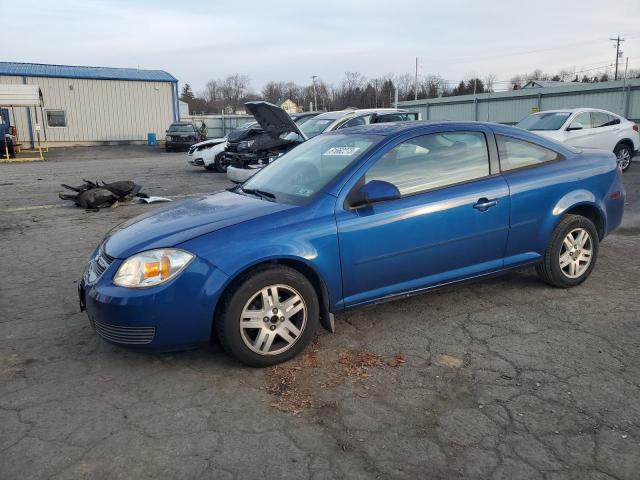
column 151, row 268
column 168, row 138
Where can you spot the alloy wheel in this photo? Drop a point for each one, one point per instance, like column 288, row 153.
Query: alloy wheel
column 624, row 158
column 576, row 253
column 273, row 319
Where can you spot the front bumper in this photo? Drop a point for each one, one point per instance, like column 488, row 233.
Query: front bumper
column 171, row 316
column 196, row 162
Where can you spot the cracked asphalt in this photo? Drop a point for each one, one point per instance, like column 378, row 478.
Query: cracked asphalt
column 502, row 379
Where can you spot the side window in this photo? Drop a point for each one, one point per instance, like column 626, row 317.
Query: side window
column 56, row 118
column 599, row 119
column 583, row 119
column 354, row 122
column 393, row 117
column 515, row 153
column 433, row 161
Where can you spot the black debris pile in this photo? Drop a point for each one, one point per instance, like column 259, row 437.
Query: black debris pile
column 93, row 195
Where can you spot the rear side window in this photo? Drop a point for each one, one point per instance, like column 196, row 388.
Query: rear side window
column 601, row 119
column 433, row 161
column 515, row 153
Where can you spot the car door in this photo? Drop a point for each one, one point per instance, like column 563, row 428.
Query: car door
column 450, row 222
column 579, row 137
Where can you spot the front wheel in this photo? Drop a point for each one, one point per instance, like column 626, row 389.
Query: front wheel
column 623, row 155
column 271, row 317
column 571, row 253
column 221, row 163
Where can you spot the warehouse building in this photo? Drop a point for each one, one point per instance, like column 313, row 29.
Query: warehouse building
column 621, row 97
column 93, row 105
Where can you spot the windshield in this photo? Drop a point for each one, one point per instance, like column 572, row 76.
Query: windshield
column 299, row 174
column 181, row 128
column 544, row 121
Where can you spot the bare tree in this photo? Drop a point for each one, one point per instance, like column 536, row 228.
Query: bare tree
column 234, row 89
column 489, row 82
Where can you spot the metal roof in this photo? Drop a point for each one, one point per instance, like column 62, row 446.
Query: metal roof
column 93, row 73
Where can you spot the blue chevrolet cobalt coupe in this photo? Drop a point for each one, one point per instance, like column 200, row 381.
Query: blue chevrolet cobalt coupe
column 349, row 218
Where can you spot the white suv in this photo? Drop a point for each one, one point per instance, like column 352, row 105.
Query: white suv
column 588, row 128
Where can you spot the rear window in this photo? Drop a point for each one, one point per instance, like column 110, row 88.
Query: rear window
column 544, row 121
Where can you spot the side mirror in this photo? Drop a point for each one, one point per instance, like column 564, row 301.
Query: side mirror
column 374, row 191
column 575, row 126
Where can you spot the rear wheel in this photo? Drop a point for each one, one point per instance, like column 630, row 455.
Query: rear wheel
column 623, row 155
column 571, row 253
column 271, row 317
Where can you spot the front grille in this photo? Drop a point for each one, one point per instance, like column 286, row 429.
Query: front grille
column 101, row 263
column 125, row 335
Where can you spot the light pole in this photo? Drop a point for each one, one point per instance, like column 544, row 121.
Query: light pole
column 315, row 99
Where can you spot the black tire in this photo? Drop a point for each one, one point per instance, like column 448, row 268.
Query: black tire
column 227, row 325
column 167, row 148
column 211, row 168
column 221, row 165
column 623, row 154
column 549, row 270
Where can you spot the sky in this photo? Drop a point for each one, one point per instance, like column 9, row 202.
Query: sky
column 292, row 40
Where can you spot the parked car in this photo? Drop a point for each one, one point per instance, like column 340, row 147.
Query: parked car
column 181, row 135
column 281, row 135
column 257, row 142
column 588, row 128
column 208, row 153
column 350, row 218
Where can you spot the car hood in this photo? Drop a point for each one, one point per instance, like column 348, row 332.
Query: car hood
column 550, row 134
column 182, row 221
column 273, row 119
column 210, row 142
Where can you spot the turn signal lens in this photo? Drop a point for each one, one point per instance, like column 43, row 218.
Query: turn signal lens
column 151, row 268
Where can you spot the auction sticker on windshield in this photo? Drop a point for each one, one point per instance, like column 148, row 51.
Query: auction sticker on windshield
column 342, row 151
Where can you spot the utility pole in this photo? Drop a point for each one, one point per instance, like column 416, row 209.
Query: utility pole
column 617, row 40
column 415, row 85
column 315, row 99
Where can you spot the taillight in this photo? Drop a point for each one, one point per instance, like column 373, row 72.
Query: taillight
column 635, row 127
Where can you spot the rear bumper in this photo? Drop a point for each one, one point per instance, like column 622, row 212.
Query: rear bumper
column 168, row 317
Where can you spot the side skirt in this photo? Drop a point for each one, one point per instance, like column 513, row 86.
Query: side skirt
column 418, row 291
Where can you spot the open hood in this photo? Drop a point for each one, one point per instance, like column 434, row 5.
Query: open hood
column 273, row 119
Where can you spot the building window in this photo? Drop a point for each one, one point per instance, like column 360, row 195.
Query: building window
column 56, row 118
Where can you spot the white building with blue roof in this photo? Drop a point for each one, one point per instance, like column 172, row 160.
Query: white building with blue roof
column 93, row 105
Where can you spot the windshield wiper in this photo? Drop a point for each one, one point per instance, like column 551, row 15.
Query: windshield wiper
column 259, row 193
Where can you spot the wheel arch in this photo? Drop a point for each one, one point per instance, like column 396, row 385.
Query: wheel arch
column 626, row 141
column 588, row 210
column 296, row 263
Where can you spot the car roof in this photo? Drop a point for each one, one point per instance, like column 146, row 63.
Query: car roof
column 334, row 115
column 392, row 128
column 576, row 110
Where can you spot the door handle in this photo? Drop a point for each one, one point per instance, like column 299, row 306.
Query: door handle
column 484, row 204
